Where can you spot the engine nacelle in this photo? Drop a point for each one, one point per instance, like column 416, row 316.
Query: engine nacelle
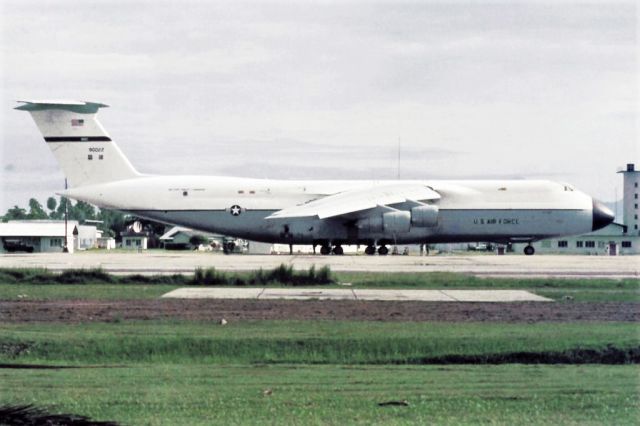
column 393, row 222
column 424, row 216
column 396, row 222
column 370, row 224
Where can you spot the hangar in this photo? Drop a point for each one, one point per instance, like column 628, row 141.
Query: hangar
column 40, row 236
column 37, row 236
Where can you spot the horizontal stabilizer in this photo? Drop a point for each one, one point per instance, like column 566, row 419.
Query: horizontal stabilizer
column 79, row 107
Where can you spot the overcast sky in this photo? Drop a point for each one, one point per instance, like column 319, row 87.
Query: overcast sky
column 326, row 90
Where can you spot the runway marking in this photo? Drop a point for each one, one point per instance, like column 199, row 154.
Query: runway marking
column 498, row 296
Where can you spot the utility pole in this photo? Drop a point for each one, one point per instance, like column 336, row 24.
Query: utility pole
column 65, row 249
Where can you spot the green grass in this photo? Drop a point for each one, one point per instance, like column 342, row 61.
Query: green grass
column 317, row 372
column 33, row 284
column 444, row 280
column 282, row 275
column 318, row 342
column 83, row 292
column 201, row 393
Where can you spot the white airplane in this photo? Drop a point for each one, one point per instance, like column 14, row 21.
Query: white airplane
column 319, row 212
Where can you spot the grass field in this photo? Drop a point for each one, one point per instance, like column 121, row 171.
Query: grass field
column 202, row 393
column 316, row 372
column 39, row 284
column 324, row 372
column 317, row 342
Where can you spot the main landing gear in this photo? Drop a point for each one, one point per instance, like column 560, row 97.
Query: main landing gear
column 327, row 249
column 371, row 250
column 529, row 250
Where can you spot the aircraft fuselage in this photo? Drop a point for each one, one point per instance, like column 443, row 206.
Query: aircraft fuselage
column 490, row 210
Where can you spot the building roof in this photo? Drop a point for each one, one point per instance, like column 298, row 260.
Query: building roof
column 37, row 228
column 171, row 233
column 131, row 234
column 168, row 236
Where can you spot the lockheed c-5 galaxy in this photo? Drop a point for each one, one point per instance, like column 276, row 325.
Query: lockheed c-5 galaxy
column 328, row 213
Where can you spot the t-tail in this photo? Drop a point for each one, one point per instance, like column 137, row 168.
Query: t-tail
column 86, row 153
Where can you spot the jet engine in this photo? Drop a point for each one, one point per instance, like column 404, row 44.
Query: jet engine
column 424, row 216
column 395, row 222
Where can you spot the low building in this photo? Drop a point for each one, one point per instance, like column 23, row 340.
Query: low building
column 88, row 236
column 612, row 240
column 106, row 243
column 37, row 236
column 132, row 240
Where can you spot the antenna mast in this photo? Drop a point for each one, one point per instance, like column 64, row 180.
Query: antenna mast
column 65, row 249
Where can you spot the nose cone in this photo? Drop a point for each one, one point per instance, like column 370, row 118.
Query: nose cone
column 602, row 215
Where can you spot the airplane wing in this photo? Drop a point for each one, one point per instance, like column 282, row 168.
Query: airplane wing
column 357, row 200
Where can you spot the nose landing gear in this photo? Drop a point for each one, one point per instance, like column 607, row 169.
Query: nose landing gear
column 529, row 250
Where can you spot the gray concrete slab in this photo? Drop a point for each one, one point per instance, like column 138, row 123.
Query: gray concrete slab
column 214, row 293
column 307, row 294
column 163, row 262
column 494, row 296
column 356, row 294
column 398, row 294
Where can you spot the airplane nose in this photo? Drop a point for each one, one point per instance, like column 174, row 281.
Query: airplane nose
column 602, row 215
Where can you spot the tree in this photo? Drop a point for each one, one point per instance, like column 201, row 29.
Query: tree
column 35, row 210
column 59, row 214
column 15, row 213
column 81, row 211
column 113, row 222
column 51, row 205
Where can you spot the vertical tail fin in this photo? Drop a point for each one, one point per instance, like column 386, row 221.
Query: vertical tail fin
column 84, row 150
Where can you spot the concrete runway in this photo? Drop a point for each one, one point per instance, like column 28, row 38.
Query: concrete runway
column 357, row 294
column 165, row 262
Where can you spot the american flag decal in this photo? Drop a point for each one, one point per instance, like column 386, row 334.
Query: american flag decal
column 77, row 122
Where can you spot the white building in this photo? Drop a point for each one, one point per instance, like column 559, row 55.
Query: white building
column 37, row 236
column 106, row 243
column 630, row 211
column 132, row 240
column 609, row 241
column 88, row 236
column 47, row 235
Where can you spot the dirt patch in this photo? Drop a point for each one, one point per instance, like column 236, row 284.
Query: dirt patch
column 77, row 311
column 30, row 415
column 610, row 355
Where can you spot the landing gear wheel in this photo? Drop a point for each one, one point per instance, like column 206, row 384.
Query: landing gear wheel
column 383, row 251
column 337, row 250
column 325, row 250
column 529, row 250
column 370, row 250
